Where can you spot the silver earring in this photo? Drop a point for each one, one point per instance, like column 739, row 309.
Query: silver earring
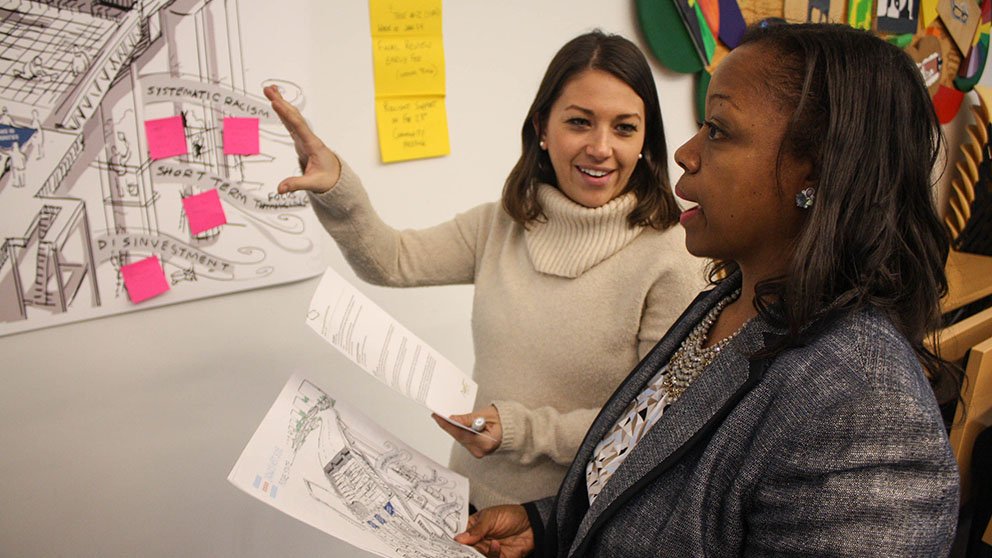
column 805, row 198
column 542, row 144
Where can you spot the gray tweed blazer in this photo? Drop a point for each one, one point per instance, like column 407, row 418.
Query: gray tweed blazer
column 835, row 448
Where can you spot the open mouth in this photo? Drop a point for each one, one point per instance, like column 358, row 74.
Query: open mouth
column 595, row 173
column 689, row 213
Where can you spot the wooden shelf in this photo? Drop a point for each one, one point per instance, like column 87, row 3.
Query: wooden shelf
column 969, row 278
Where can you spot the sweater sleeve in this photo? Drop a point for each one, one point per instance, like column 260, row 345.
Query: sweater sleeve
column 667, row 298
column 439, row 255
column 532, row 433
column 869, row 477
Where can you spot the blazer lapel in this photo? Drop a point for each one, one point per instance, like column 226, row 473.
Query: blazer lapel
column 690, row 420
column 572, row 500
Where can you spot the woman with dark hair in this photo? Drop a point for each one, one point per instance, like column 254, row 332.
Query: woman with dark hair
column 621, row 59
column 790, row 410
column 556, row 303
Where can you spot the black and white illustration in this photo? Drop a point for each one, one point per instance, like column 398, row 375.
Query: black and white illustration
column 327, row 465
column 80, row 195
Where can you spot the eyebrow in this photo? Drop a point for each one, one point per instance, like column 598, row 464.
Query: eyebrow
column 589, row 112
column 723, row 97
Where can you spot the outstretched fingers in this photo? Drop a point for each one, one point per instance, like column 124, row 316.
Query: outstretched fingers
column 320, row 166
column 292, row 119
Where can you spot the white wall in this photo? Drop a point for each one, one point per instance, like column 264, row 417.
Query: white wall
column 117, row 435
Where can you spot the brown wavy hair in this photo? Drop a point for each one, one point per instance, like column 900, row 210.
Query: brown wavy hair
column 656, row 206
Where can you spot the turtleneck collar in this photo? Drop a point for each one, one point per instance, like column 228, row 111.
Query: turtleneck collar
column 574, row 238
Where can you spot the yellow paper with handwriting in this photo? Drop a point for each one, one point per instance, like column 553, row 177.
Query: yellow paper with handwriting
column 412, row 128
column 400, row 18
column 408, row 62
column 408, row 66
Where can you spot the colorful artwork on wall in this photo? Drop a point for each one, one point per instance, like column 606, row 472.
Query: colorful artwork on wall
column 948, row 39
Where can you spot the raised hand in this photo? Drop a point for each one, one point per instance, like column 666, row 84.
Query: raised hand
column 499, row 532
column 478, row 446
column 321, row 168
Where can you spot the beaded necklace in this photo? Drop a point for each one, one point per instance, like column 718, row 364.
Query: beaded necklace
column 691, row 358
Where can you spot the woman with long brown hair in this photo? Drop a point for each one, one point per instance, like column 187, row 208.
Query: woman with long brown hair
column 577, row 272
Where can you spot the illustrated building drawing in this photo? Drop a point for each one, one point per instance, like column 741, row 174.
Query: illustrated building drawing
column 413, row 509
column 79, row 195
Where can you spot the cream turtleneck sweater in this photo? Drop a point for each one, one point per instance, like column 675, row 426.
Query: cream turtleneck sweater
column 574, row 238
column 561, row 313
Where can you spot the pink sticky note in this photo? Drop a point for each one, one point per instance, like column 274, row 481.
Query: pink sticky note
column 204, row 211
column 240, row 136
column 166, row 137
column 144, row 279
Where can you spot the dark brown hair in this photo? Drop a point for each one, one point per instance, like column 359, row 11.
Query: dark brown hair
column 656, row 206
column 862, row 116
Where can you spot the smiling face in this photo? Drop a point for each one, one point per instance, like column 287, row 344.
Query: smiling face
column 745, row 193
column 594, row 134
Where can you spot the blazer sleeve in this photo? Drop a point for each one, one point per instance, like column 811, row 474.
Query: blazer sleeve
column 539, row 514
column 381, row 255
column 871, row 476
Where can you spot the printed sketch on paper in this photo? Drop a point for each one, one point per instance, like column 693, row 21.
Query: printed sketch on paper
column 80, row 196
column 327, row 465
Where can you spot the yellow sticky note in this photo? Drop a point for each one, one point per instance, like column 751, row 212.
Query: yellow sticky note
column 405, row 17
column 412, row 128
column 408, row 56
column 408, row 66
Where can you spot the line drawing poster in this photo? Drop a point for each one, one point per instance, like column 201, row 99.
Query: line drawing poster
column 325, row 464
column 371, row 338
column 80, row 195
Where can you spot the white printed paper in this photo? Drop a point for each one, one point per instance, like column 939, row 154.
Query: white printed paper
column 377, row 493
column 371, row 338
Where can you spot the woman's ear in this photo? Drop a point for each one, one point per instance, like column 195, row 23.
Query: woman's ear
column 538, row 132
column 799, row 174
column 812, row 180
column 805, row 181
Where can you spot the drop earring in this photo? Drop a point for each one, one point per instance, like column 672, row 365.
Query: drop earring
column 805, row 198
